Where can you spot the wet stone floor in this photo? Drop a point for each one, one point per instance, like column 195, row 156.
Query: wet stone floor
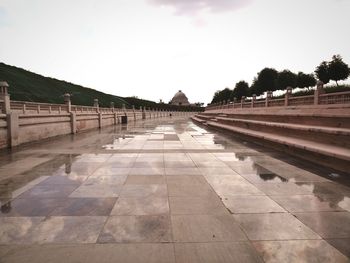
column 168, row 190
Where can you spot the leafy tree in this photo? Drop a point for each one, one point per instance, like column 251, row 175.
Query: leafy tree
column 241, row 89
column 322, row 72
column 254, row 88
column 222, row 95
column 305, row 80
column 337, row 69
column 285, row 79
column 266, row 80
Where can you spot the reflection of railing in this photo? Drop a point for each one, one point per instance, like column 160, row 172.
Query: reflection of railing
column 319, row 98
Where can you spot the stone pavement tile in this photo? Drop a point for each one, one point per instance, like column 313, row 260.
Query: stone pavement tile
column 88, row 159
column 17, row 230
column 106, row 179
column 49, row 191
column 235, row 188
column 78, row 169
column 206, row 228
column 123, row 155
column 147, row 171
column 226, row 156
column 202, row 156
column 143, row 190
column 122, row 163
column 31, row 206
column 247, row 167
column 141, row 206
column 146, row 229
column 223, row 252
column 196, row 205
column 145, row 179
column 264, row 178
column 190, row 190
column 174, row 157
column 182, row 171
column 148, row 165
column 64, row 179
column 179, row 164
column 309, row 203
column 217, row 170
column 274, row 226
column 97, row 190
column 216, row 164
column 150, row 156
column 330, row 188
column 4, row 249
column 298, row 251
column 68, row 229
column 105, row 171
column 224, row 178
column 85, row 207
column 284, row 189
column 342, row 244
column 186, row 180
column 327, row 224
column 251, row 204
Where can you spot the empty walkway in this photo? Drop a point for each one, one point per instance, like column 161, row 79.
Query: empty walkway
column 168, row 190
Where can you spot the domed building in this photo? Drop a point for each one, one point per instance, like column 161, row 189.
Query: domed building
column 179, row 99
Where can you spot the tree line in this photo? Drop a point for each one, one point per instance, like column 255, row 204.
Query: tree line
column 269, row 79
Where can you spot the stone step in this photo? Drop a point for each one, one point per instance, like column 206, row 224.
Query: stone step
column 307, row 145
column 327, row 135
column 303, row 127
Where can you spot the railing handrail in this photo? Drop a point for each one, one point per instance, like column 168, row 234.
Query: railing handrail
column 335, row 94
column 317, row 98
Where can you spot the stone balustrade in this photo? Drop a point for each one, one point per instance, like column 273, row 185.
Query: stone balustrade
column 23, row 122
column 318, row 98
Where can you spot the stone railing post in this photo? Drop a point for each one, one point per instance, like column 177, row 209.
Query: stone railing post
column 96, row 105
column 234, row 102
column 287, row 96
column 5, row 97
column 242, row 101
column 73, row 122
column 133, row 111
column 253, row 100
column 67, row 101
column 115, row 118
column 268, row 98
column 318, row 91
column 112, row 106
column 144, row 113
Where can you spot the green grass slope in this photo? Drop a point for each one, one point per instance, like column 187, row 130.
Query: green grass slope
column 29, row 86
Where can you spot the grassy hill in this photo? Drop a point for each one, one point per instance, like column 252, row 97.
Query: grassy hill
column 29, row 86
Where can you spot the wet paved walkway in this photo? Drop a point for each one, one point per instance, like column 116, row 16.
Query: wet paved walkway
column 168, row 191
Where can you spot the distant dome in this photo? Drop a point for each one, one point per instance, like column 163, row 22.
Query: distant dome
column 179, row 99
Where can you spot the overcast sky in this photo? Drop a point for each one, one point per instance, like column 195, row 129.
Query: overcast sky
column 153, row 48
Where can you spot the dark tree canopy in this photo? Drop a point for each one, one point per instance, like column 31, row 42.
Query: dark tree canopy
column 337, row 69
column 266, row 80
column 222, row 95
column 322, row 72
column 269, row 79
column 285, row 79
column 241, row 89
column 305, row 80
column 253, row 90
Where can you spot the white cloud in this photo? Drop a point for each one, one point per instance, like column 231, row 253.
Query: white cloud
column 193, row 7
